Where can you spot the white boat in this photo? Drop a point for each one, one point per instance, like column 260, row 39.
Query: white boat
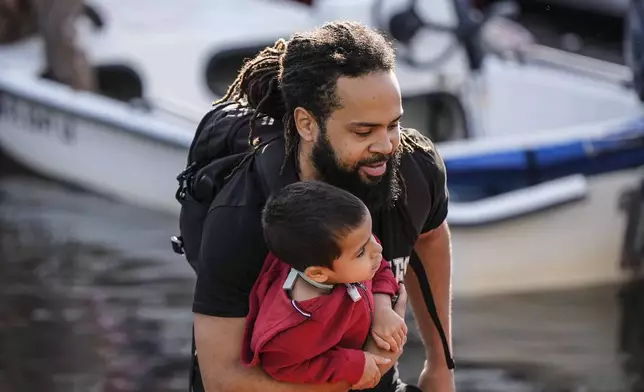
column 510, row 242
column 543, row 212
column 132, row 153
column 179, row 55
column 165, row 55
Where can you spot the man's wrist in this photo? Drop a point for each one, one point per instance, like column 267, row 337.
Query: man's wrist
column 435, row 361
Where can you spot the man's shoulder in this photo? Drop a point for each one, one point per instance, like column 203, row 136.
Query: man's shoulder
column 420, row 160
column 241, row 191
column 256, row 177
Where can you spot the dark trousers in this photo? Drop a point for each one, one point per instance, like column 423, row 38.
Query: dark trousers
column 390, row 382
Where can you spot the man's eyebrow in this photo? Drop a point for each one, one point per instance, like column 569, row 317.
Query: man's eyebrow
column 370, row 124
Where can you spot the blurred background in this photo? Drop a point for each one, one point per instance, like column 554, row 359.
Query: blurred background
column 535, row 106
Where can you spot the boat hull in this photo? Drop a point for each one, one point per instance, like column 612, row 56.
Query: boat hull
column 572, row 245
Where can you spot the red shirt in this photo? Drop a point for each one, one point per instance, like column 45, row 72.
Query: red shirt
column 314, row 341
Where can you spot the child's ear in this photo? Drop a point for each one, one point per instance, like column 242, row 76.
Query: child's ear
column 317, row 274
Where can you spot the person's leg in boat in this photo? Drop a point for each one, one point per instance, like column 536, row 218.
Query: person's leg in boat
column 65, row 58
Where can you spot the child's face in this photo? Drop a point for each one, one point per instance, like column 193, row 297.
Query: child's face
column 360, row 258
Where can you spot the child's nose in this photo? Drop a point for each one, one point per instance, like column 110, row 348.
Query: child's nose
column 377, row 246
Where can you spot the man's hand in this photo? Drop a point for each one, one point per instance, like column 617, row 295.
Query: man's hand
column 370, row 346
column 389, row 330
column 436, row 380
column 371, row 374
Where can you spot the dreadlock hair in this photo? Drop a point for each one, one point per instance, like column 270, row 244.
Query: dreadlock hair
column 303, row 71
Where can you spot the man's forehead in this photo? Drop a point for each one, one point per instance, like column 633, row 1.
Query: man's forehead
column 373, row 98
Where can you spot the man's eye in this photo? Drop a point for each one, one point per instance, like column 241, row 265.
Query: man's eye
column 363, row 134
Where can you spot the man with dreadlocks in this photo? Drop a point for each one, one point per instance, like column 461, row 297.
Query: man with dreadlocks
column 334, row 92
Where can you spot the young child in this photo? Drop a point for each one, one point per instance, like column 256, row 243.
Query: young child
column 311, row 309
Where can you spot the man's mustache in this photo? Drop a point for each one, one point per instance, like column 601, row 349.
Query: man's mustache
column 375, row 160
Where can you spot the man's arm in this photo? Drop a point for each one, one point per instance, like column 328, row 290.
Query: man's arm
column 219, row 343
column 434, row 251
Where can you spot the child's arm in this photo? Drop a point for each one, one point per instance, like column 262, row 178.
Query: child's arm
column 306, row 352
column 309, row 353
column 333, row 365
column 384, row 281
column 358, row 368
column 389, row 330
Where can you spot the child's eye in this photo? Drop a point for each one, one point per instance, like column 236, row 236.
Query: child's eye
column 361, row 253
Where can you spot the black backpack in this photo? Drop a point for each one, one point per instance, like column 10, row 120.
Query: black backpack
column 220, row 146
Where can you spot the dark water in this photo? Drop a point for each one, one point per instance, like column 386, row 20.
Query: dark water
column 92, row 299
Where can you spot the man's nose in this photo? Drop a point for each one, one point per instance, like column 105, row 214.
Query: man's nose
column 384, row 144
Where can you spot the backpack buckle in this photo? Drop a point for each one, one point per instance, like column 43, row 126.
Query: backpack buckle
column 184, row 179
column 187, row 172
column 177, row 244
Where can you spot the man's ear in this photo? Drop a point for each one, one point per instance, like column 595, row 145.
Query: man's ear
column 317, row 274
column 306, row 125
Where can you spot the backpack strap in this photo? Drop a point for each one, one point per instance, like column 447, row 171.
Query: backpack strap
column 425, row 288
column 269, row 160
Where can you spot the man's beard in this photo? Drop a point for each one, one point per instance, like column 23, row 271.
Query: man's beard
column 376, row 194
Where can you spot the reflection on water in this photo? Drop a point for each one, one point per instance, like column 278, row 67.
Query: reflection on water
column 93, row 299
column 79, row 309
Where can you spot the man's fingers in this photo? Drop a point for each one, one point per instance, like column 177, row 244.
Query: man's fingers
column 401, row 303
column 380, row 342
column 359, row 386
column 372, row 382
column 375, row 381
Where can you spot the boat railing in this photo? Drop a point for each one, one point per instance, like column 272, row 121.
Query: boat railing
column 178, row 109
column 518, row 203
column 580, row 65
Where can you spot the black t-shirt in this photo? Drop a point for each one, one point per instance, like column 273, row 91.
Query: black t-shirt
column 233, row 247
